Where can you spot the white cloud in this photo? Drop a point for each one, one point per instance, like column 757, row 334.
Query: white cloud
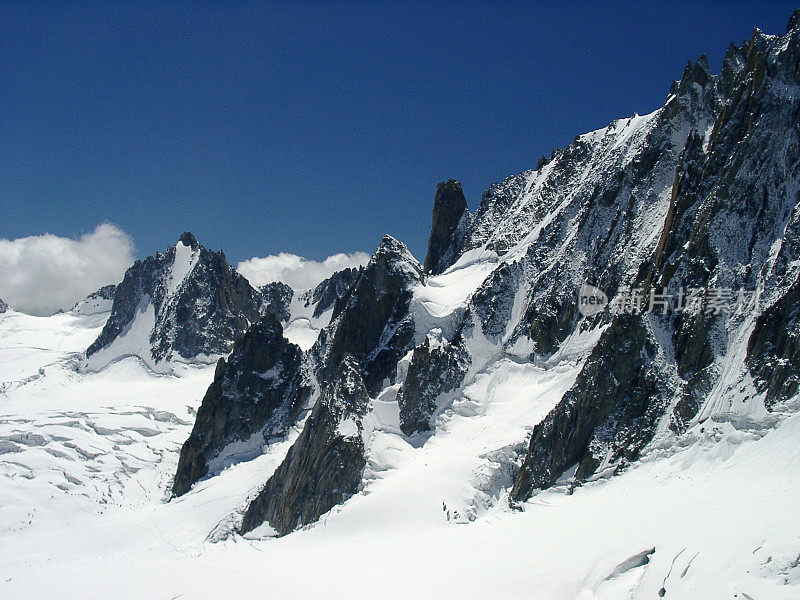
column 296, row 271
column 42, row 273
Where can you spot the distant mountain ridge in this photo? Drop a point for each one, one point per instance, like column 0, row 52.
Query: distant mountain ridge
column 97, row 302
column 181, row 304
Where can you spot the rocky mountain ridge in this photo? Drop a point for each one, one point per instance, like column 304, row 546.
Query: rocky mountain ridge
column 257, row 394
column 185, row 304
column 97, row 302
column 686, row 220
column 324, row 466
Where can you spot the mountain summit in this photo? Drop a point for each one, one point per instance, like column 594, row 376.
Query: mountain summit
column 184, row 304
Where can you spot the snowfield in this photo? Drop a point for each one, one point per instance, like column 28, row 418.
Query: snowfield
column 667, row 474
column 86, row 460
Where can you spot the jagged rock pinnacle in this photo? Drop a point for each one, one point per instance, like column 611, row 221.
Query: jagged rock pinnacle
column 188, row 239
column 794, row 21
column 324, row 466
column 449, row 207
column 266, row 367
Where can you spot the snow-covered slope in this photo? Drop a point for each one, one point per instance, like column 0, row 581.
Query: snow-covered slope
column 96, row 303
column 32, row 344
column 84, row 513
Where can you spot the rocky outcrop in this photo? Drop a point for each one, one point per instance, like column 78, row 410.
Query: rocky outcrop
column 324, row 466
column 182, row 303
column 607, row 416
column 332, row 290
column 96, row 302
column 104, row 293
column 794, row 21
column 257, row 394
column 373, row 323
column 493, row 301
column 773, row 351
column 450, row 222
column 436, row 370
column 3, row 306
column 277, row 298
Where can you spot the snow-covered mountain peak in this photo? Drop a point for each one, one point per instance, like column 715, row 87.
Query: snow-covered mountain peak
column 394, row 257
column 184, row 304
column 394, row 250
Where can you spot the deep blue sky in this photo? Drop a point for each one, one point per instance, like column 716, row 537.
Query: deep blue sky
column 314, row 130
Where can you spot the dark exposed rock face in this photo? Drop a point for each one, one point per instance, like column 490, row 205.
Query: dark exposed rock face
column 324, row 466
column 258, row 391
column 277, row 297
column 794, row 21
column 450, row 221
column 773, row 351
column 3, row 306
column 609, row 414
column 493, row 302
column 433, row 371
column 332, row 289
column 373, row 322
column 200, row 304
